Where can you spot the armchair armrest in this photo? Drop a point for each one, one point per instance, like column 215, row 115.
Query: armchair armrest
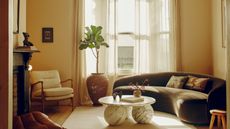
column 42, row 88
column 217, row 98
column 67, row 80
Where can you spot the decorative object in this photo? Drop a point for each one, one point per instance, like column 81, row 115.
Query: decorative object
column 120, row 95
column 224, row 23
column 26, row 42
column 114, row 96
column 177, row 81
column 47, row 35
column 137, row 89
column 97, row 83
column 137, row 93
column 94, row 41
column 16, row 14
column 195, row 83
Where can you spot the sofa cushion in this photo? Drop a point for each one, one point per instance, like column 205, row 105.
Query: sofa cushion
column 177, row 81
column 195, row 83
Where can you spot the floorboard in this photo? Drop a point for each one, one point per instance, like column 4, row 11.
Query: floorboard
column 56, row 113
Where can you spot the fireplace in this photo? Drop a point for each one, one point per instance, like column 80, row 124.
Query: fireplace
column 21, row 84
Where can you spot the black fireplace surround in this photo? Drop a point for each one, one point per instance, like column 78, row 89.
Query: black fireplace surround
column 22, row 84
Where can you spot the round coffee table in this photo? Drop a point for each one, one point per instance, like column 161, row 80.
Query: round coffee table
column 117, row 111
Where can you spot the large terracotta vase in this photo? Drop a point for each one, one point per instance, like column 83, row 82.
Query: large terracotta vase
column 97, row 84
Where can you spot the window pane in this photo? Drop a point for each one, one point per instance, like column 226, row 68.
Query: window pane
column 165, row 15
column 125, row 58
column 126, row 40
column 126, row 15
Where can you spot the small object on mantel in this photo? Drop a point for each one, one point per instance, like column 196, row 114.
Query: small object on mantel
column 26, row 42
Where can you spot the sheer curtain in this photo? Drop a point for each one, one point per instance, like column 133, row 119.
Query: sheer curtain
column 149, row 29
column 142, row 34
column 81, row 96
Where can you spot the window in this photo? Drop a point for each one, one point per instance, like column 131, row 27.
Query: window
column 140, row 34
column 132, row 25
column 125, row 58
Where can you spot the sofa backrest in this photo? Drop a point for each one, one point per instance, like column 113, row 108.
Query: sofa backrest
column 161, row 79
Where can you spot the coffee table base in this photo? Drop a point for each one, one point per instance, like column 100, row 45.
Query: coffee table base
column 116, row 115
column 142, row 114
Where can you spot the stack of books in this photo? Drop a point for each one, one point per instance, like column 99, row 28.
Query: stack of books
column 132, row 99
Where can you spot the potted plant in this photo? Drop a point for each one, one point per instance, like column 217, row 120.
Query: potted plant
column 97, row 83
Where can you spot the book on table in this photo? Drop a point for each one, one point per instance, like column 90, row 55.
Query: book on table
column 132, row 99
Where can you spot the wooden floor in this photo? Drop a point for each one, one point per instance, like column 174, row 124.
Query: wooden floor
column 56, row 113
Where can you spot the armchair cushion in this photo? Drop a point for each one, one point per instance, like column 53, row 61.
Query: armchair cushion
column 54, row 92
column 50, row 79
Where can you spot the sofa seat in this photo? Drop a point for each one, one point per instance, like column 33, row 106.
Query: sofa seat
column 189, row 105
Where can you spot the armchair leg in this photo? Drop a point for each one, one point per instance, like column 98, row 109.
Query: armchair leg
column 43, row 106
column 72, row 104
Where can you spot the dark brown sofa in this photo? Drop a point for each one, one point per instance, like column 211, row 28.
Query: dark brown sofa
column 188, row 105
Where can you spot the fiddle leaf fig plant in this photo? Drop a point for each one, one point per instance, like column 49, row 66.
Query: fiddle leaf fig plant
column 93, row 40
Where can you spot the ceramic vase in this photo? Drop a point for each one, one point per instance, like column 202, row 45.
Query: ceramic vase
column 97, row 84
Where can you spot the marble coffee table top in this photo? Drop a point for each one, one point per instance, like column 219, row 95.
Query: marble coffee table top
column 108, row 100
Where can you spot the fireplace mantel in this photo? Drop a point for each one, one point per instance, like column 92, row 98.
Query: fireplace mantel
column 21, row 80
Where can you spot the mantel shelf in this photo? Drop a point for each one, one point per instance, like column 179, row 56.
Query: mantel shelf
column 25, row 51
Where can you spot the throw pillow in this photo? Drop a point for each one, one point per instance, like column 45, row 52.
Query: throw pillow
column 196, row 83
column 177, row 81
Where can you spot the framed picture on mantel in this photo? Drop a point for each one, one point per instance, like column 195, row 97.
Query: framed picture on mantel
column 47, row 35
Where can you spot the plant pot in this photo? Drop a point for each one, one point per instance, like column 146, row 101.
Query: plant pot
column 97, row 84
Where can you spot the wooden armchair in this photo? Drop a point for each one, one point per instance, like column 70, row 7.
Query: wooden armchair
column 47, row 86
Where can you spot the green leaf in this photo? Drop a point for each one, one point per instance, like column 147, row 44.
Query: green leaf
column 91, row 45
column 100, row 39
column 88, row 30
column 105, row 44
column 93, row 38
column 94, row 29
column 83, row 46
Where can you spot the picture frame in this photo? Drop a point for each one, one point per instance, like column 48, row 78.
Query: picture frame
column 224, row 23
column 16, row 15
column 47, row 35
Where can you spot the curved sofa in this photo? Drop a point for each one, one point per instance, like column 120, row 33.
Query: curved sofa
column 188, row 105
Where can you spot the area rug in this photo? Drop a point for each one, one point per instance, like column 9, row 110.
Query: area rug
column 92, row 118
